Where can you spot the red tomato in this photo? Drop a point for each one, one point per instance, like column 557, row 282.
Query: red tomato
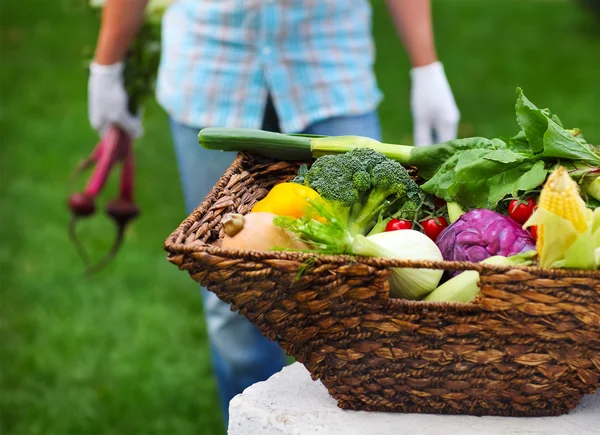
column 439, row 203
column 398, row 224
column 521, row 212
column 533, row 231
column 433, row 228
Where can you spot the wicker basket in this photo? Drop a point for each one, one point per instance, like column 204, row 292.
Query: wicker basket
column 529, row 345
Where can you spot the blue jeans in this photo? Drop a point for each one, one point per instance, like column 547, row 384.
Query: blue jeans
column 241, row 355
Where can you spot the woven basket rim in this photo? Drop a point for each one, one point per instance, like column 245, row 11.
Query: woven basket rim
column 173, row 247
column 316, row 258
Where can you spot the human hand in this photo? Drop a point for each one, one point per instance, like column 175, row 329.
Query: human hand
column 108, row 101
column 432, row 105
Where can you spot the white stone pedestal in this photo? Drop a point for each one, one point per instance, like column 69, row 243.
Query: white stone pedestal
column 290, row 402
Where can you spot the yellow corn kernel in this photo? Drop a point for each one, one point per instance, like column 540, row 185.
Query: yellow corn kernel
column 560, row 195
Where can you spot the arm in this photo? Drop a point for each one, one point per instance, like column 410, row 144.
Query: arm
column 432, row 102
column 107, row 97
column 412, row 19
column 121, row 20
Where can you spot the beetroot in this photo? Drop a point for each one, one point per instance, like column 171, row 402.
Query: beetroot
column 113, row 148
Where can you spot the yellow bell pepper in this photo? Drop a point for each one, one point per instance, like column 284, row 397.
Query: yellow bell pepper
column 287, row 199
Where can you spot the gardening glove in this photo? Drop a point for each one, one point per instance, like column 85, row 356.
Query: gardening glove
column 432, row 105
column 108, row 100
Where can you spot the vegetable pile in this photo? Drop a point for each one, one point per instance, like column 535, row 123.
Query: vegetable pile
column 531, row 199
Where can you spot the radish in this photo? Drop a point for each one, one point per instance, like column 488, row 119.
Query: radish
column 114, row 147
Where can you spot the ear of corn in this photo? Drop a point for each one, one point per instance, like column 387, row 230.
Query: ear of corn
column 560, row 195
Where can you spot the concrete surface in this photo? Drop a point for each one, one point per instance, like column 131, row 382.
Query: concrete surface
column 290, row 402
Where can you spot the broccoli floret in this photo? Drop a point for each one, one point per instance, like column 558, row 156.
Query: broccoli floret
column 390, row 182
column 334, row 177
column 361, row 185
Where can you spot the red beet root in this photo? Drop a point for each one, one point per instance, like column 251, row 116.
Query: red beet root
column 81, row 205
column 114, row 147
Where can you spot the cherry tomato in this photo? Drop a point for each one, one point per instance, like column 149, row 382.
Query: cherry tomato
column 533, row 231
column 439, row 203
column 433, row 228
column 521, row 212
column 398, row 224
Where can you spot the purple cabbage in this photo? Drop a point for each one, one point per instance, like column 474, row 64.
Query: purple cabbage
column 480, row 233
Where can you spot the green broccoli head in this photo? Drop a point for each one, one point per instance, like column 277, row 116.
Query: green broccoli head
column 362, row 184
column 391, row 178
column 369, row 158
column 339, row 177
column 343, row 177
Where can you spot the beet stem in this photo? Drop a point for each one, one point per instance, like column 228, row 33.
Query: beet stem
column 107, row 159
column 127, row 172
column 87, row 163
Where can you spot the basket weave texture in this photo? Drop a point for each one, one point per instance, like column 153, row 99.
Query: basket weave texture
column 529, row 345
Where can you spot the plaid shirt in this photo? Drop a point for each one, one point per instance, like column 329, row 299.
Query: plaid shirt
column 221, row 58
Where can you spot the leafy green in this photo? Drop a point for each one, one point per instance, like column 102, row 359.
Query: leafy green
column 546, row 134
column 560, row 143
column 532, row 121
column 301, row 175
column 478, row 172
column 481, row 177
column 328, row 235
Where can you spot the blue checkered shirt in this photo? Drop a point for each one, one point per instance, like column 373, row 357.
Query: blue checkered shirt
column 221, row 58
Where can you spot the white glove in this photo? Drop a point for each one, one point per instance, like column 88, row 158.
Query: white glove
column 107, row 100
column 432, row 105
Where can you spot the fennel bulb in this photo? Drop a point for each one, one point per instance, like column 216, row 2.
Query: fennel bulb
column 405, row 283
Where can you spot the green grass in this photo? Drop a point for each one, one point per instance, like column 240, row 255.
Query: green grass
column 125, row 352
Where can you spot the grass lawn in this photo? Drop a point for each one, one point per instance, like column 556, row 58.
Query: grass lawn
column 125, row 352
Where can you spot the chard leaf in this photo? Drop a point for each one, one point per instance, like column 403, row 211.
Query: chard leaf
column 530, row 179
column 546, row 134
column 430, row 159
column 478, row 172
column 559, row 143
column 481, row 178
column 503, row 156
column 532, row 121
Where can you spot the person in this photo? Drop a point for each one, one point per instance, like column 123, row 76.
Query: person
column 294, row 66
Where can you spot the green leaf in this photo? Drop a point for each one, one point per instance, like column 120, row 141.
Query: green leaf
column 503, row 156
column 479, row 172
column 532, row 121
column 530, row 179
column 546, row 135
column 559, row 143
column 431, row 158
column 480, row 178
